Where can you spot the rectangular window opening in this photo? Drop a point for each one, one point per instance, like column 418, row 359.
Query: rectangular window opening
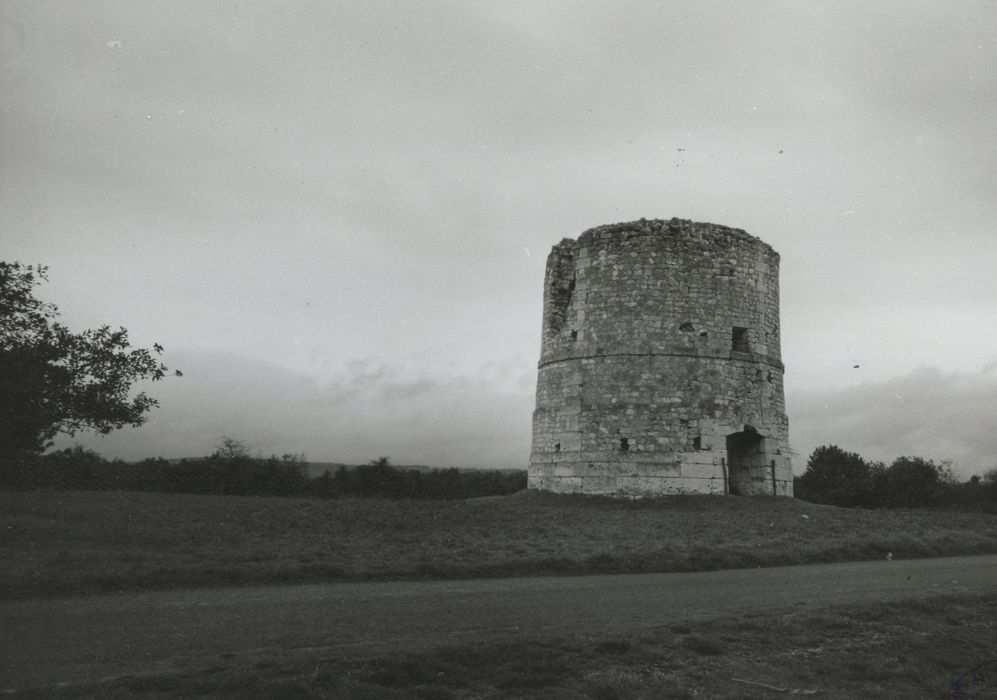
column 624, row 444
column 557, row 447
column 739, row 339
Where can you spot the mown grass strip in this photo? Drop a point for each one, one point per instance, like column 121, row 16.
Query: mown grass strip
column 933, row 648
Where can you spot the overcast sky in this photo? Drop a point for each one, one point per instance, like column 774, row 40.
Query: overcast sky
column 335, row 215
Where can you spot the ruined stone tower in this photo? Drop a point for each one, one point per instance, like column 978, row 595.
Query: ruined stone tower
column 660, row 369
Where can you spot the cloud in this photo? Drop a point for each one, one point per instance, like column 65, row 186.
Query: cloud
column 925, row 413
column 482, row 419
column 368, row 410
column 328, row 181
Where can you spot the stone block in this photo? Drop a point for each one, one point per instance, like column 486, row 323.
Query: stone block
column 570, row 441
column 712, row 442
column 599, row 468
column 572, row 484
column 702, row 457
column 708, row 426
column 688, row 485
column 703, row 471
column 638, row 485
column 598, row 484
column 659, row 469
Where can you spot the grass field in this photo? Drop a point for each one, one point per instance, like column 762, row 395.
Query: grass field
column 80, row 542
column 944, row 647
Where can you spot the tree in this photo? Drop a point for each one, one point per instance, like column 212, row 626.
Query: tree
column 230, row 449
column 378, row 478
column 53, row 380
column 836, row 477
column 911, row 482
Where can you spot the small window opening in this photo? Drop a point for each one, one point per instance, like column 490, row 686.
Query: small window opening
column 697, row 442
column 574, row 335
column 687, row 327
column 557, row 447
column 624, row 444
column 703, row 334
column 739, row 340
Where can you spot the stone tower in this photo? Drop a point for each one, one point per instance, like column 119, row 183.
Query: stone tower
column 660, row 369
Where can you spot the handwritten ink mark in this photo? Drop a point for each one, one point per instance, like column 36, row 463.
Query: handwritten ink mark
column 971, row 683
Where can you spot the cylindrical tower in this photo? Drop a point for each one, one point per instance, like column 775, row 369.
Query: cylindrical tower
column 660, row 369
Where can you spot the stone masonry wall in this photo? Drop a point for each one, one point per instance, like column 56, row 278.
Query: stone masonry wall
column 660, row 369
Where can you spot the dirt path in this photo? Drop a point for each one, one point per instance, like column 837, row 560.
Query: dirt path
column 69, row 640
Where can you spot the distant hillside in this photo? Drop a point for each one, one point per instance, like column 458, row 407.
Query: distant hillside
column 318, row 468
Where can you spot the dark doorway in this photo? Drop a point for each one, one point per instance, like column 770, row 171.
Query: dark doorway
column 742, row 453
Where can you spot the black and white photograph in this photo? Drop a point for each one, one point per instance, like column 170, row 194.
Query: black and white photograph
column 481, row 349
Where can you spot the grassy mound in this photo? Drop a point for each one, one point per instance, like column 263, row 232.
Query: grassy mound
column 66, row 542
